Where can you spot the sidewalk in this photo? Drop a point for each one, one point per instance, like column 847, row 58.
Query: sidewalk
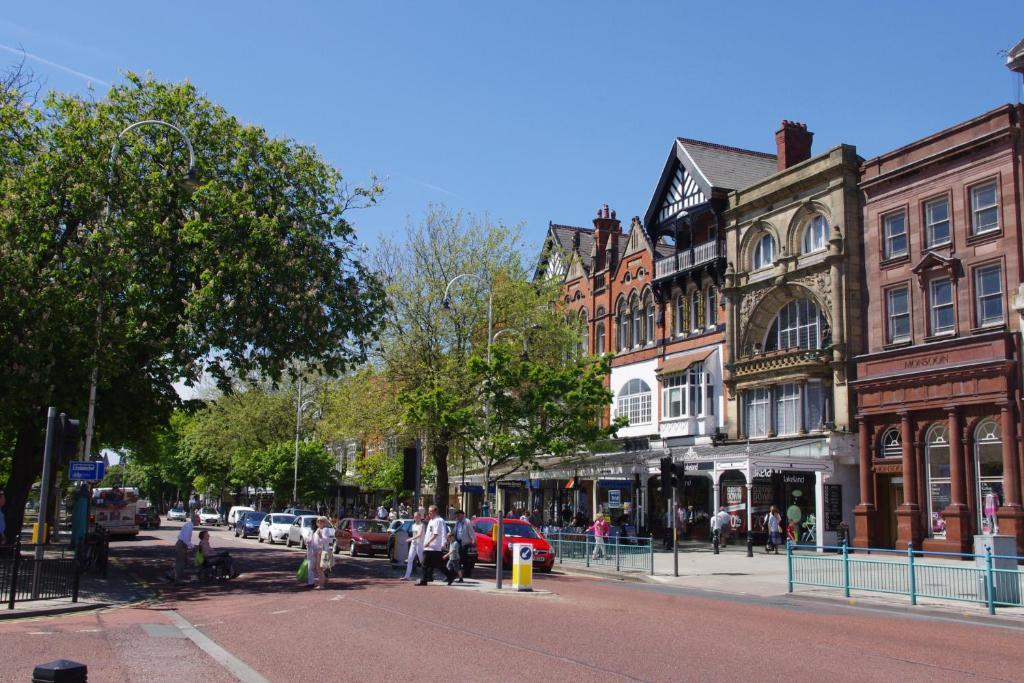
column 765, row 576
column 94, row 592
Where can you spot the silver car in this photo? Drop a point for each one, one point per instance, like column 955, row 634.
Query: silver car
column 275, row 527
column 177, row 514
column 301, row 530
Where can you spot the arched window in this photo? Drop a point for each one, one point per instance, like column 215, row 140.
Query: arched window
column 936, row 444
column 599, row 340
column 695, row 310
column 634, row 402
column 711, row 319
column 636, row 330
column 764, row 252
column 649, row 318
column 799, row 324
column 892, row 444
column 988, row 459
column 584, row 345
column 816, row 234
column 622, row 325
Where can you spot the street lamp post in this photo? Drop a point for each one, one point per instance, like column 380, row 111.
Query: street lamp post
column 190, row 182
column 490, row 339
column 300, row 405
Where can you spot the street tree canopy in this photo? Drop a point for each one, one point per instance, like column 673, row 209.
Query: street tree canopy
column 253, row 271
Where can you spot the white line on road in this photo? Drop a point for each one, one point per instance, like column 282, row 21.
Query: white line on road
column 233, row 664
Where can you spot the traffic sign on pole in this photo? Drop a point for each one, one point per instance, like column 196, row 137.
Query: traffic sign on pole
column 86, row 470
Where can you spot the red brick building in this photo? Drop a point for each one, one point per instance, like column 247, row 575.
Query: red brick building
column 938, row 392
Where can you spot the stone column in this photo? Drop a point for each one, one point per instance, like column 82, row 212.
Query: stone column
column 865, row 514
column 819, row 509
column 802, row 417
column 909, row 513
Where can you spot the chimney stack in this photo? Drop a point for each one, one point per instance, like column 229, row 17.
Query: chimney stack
column 794, row 144
column 607, row 230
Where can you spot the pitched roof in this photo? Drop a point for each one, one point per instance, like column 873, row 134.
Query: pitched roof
column 564, row 237
column 727, row 168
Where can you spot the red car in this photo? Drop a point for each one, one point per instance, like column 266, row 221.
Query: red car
column 515, row 531
column 363, row 536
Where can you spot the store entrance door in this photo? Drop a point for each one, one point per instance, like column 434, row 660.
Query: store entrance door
column 890, row 493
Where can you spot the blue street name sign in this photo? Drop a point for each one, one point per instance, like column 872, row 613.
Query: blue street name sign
column 86, row 470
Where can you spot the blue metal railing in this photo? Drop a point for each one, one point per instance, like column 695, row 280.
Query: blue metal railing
column 993, row 580
column 620, row 552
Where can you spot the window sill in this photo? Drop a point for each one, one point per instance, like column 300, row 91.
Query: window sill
column 995, row 327
column 898, row 344
column 894, row 261
column 945, row 246
column 940, row 336
column 982, row 237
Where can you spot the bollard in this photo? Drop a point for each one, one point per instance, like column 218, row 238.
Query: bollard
column 750, row 544
column 789, row 564
column 60, row 671
column 714, row 540
column 846, row 569
column 618, row 562
column 990, row 588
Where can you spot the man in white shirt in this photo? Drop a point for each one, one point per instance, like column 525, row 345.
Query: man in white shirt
column 720, row 523
column 181, row 549
column 433, row 548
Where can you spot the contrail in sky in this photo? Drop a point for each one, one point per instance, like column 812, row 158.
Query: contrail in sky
column 55, row 65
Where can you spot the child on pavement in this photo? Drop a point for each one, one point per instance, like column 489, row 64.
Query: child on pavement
column 454, row 564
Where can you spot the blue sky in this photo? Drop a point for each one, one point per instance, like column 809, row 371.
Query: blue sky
column 536, row 111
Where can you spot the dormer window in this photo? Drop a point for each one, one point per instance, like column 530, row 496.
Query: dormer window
column 816, row 235
column 764, row 252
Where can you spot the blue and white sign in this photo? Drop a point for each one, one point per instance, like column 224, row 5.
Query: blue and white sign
column 86, row 470
column 614, row 498
column 526, row 553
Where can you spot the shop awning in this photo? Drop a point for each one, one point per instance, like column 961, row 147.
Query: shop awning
column 684, row 361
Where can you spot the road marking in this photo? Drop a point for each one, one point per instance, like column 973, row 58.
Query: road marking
column 233, row 664
column 88, row 630
column 41, row 633
column 281, row 611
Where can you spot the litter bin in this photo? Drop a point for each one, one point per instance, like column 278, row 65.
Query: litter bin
column 1005, row 586
column 522, row 567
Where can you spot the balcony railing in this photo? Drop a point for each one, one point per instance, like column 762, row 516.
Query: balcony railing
column 685, row 260
column 783, row 360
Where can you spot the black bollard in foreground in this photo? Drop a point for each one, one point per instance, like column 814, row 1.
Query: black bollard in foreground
column 716, row 535
column 750, row 544
column 60, row 671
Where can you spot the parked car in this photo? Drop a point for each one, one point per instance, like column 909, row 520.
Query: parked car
column 249, row 524
column 274, row 527
column 302, row 529
column 148, row 518
column 235, row 514
column 177, row 514
column 298, row 512
column 363, row 536
column 209, row 516
column 515, row 531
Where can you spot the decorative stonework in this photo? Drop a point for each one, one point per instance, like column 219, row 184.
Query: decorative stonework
column 751, row 300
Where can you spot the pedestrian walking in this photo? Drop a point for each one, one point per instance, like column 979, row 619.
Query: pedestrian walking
column 454, row 563
column 680, row 523
column 719, row 525
column 600, row 529
column 182, row 547
column 433, row 548
column 415, row 542
column 315, row 577
column 773, row 520
column 465, row 534
column 382, row 512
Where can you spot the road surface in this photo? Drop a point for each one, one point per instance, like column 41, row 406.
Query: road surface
column 368, row 626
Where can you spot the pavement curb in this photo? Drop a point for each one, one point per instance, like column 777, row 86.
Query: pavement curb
column 562, row 570
column 8, row 615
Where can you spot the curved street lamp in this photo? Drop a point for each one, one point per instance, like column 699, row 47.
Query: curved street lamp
column 189, row 182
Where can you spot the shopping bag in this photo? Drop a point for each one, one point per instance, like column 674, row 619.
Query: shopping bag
column 303, row 572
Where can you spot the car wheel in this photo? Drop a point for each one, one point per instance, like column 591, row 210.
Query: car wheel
column 288, row 543
column 547, row 570
column 303, row 544
column 352, row 550
column 270, row 538
column 259, row 537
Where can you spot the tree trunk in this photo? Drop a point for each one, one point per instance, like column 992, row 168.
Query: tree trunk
column 439, row 451
column 26, row 466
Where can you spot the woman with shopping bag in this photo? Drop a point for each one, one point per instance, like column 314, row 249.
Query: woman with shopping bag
column 314, row 546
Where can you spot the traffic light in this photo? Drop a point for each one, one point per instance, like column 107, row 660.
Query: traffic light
column 668, row 471
column 66, row 439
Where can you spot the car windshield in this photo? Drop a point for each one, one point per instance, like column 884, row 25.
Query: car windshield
column 308, row 521
column 178, row 509
column 254, row 517
column 282, row 519
column 208, row 511
column 369, row 527
column 520, row 530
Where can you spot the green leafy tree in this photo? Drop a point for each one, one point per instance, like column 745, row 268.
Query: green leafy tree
column 254, row 270
column 275, row 465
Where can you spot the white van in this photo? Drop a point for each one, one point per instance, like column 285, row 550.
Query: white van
column 235, row 514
